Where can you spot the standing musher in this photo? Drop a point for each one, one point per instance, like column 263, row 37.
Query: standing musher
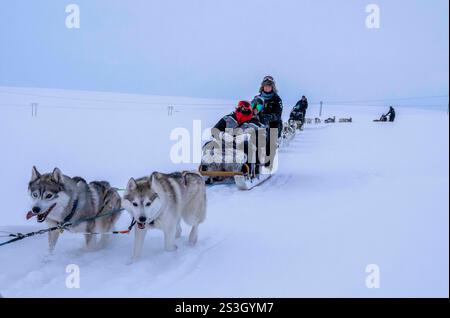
column 299, row 111
column 391, row 114
column 273, row 105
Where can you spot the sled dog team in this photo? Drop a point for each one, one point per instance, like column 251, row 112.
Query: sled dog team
column 158, row 201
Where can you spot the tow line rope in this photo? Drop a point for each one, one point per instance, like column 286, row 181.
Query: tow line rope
column 20, row 236
column 127, row 231
column 64, row 226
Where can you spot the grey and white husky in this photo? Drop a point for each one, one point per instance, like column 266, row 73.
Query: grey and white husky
column 57, row 199
column 161, row 201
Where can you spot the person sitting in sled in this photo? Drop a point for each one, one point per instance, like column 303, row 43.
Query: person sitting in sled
column 236, row 131
column 228, row 135
column 242, row 126
column 242, row 114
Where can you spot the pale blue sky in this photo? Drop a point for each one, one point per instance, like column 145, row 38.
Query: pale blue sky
column 222, row 48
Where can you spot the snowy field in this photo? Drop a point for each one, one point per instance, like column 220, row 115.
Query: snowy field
column 345, row 196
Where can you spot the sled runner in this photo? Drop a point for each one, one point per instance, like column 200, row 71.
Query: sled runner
column 383, row 119
column 248, row 182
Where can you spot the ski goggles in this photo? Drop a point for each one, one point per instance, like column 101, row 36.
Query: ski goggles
column 244, row 106
column 268, row 80
column 244, row 110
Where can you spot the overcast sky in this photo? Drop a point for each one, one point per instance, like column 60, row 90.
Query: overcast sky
column 222, row 48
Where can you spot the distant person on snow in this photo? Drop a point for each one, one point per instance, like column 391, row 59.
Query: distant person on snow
column 391, row 114
column 302, row 105
column 299, row 111
column 273, row 105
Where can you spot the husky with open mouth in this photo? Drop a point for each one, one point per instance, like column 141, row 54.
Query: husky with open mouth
column 57, row 199
column 161, row 201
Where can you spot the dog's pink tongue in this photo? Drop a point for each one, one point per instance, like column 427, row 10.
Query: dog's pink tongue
column 30, row 215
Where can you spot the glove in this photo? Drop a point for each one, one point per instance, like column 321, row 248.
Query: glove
column 266, row 118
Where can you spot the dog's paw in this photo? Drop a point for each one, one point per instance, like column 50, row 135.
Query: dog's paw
column 48, row 258
column 193, row 241
column 133, row 260
column 130, row 261
column 172, row 248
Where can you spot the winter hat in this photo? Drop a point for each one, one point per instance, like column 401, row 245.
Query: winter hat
column 243, row 106
column 268, row 81
column 243, row 112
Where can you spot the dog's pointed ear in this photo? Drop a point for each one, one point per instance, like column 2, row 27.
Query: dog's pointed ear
column 57, row 175
column 132, row 184
column 149, row 180
column 35, row 174
column 154, row 175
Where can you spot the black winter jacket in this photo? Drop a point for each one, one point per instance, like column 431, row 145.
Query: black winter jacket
column 301, row 105
column 273, row 110
column 391, row 114
column 230, row 122
column 227, row 122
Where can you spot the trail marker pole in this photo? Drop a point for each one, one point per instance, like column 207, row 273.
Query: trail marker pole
column 34, row 107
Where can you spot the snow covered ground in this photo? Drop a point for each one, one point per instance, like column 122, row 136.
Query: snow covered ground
column 345, row 196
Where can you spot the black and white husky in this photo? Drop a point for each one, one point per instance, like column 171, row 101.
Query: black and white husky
column 58, row 199
column 160, row 201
